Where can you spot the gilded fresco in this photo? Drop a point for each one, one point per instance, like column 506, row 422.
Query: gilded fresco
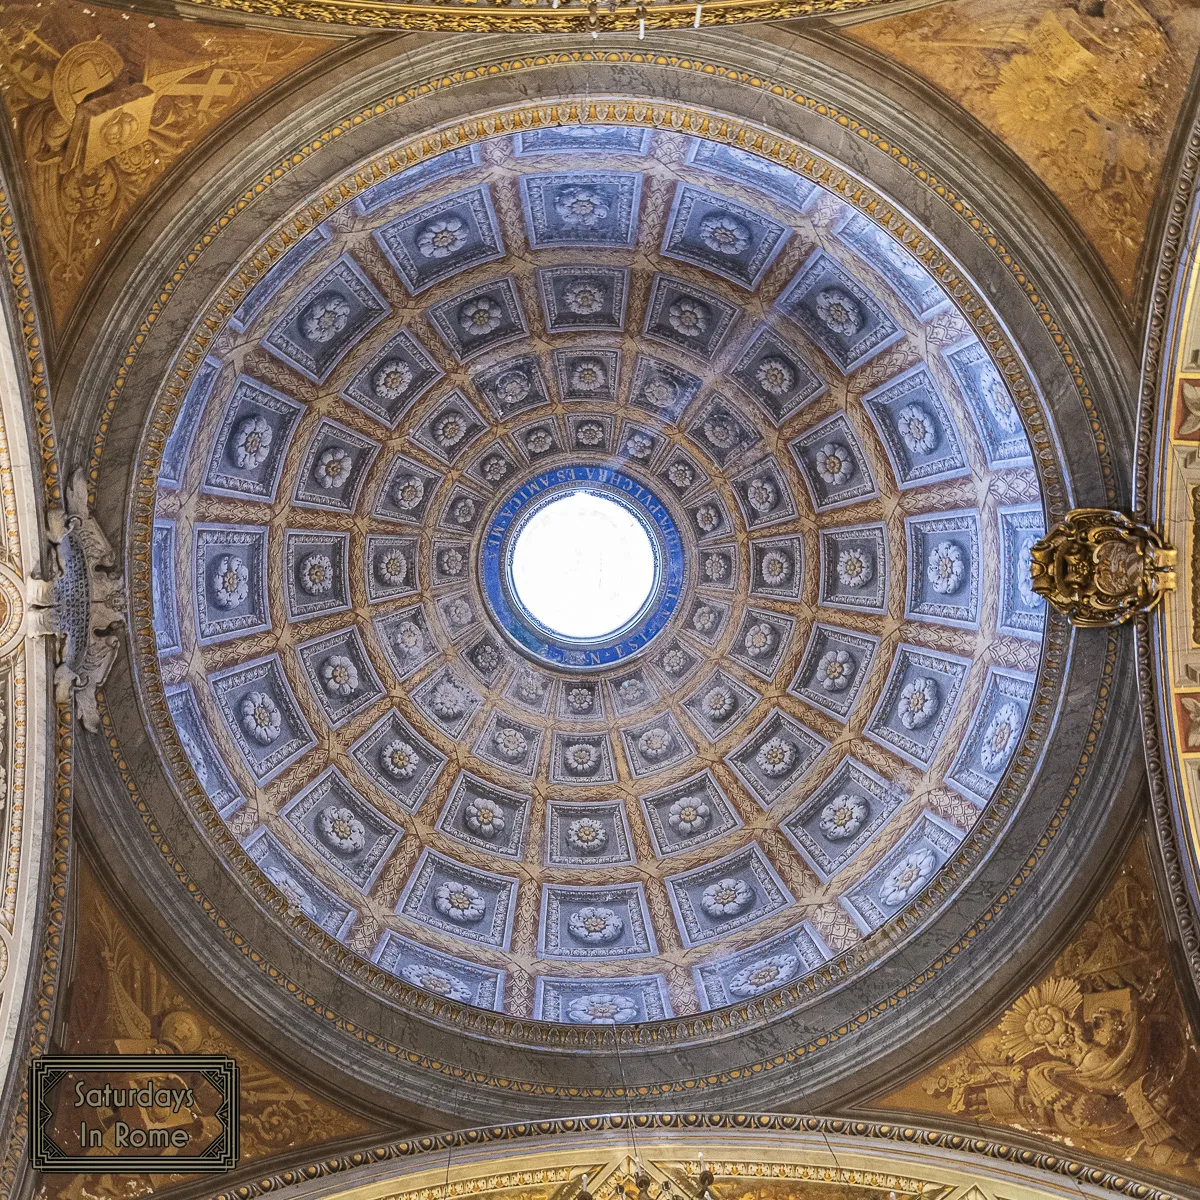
column 122, row 1002
column 1086, row 92
column 102, row 102
column 1097, row 1056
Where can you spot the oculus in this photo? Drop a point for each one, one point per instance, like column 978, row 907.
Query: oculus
column 582, row 566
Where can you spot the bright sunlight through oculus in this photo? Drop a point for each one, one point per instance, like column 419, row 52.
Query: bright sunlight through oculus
column 583, row 566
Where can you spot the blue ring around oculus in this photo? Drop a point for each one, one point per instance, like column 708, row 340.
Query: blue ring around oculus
column 521, row 626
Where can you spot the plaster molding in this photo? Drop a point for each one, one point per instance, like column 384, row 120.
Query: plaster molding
column 897, row 1156
column 1166, row 292
column 37, row 814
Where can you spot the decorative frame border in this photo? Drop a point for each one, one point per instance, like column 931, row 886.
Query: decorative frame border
column 458, row 18
column 1155, row 421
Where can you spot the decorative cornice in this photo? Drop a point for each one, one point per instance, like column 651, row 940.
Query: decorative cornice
column 1165, row 293
column 899, row 1135
column 540, row 16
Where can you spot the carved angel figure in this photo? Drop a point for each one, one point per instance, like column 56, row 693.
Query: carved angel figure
column 81, row 605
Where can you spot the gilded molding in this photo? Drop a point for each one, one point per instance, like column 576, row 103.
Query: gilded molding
column 897, row 1134
column 537, row 16
column 55, row 887
column 1167, row 285
column 617, row 1175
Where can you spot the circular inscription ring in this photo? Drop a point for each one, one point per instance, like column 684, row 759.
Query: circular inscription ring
column 534, row 637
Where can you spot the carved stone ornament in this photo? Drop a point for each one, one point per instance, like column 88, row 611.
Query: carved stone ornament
column 1101, row 567
column 544, row 16
column 81, row 605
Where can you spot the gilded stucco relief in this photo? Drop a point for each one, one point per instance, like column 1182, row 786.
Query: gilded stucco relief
column 122, row 1002
column 102, row 102
column 1087, row 93
column 1097, row 1055
column 670, row 1173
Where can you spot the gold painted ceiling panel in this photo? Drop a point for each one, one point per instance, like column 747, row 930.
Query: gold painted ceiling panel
column 122, row 1002
column 1098, row 1055
column 103, row 101
column 1087, row 93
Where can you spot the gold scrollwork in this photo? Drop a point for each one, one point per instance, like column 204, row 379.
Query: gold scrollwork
column 1101, row 567
column 542, row 16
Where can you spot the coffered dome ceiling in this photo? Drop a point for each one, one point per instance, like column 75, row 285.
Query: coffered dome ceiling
column 775, row 756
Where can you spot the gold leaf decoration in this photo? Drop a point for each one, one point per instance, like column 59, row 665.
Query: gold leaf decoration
column 1086, row 93
column 102, row 103
column 1098, row 1055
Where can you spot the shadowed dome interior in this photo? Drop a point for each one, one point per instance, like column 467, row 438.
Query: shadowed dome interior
column 835, row 656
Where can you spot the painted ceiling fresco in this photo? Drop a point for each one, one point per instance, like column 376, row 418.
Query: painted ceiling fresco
column 846, row 665
column 102, row 101
column 123, row 1002
column 1086, row 92
column 1097, row 1056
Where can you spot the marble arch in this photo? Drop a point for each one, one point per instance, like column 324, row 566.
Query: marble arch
column 761, row 1155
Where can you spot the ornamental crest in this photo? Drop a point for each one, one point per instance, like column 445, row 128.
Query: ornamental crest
column 82, row 605
column 1101, row 567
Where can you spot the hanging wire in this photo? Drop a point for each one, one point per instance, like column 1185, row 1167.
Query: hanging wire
column 998, row 1078
column 450, row 1145
column 637, row 1156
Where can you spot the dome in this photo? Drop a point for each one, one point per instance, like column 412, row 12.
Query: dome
column 816, row 653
